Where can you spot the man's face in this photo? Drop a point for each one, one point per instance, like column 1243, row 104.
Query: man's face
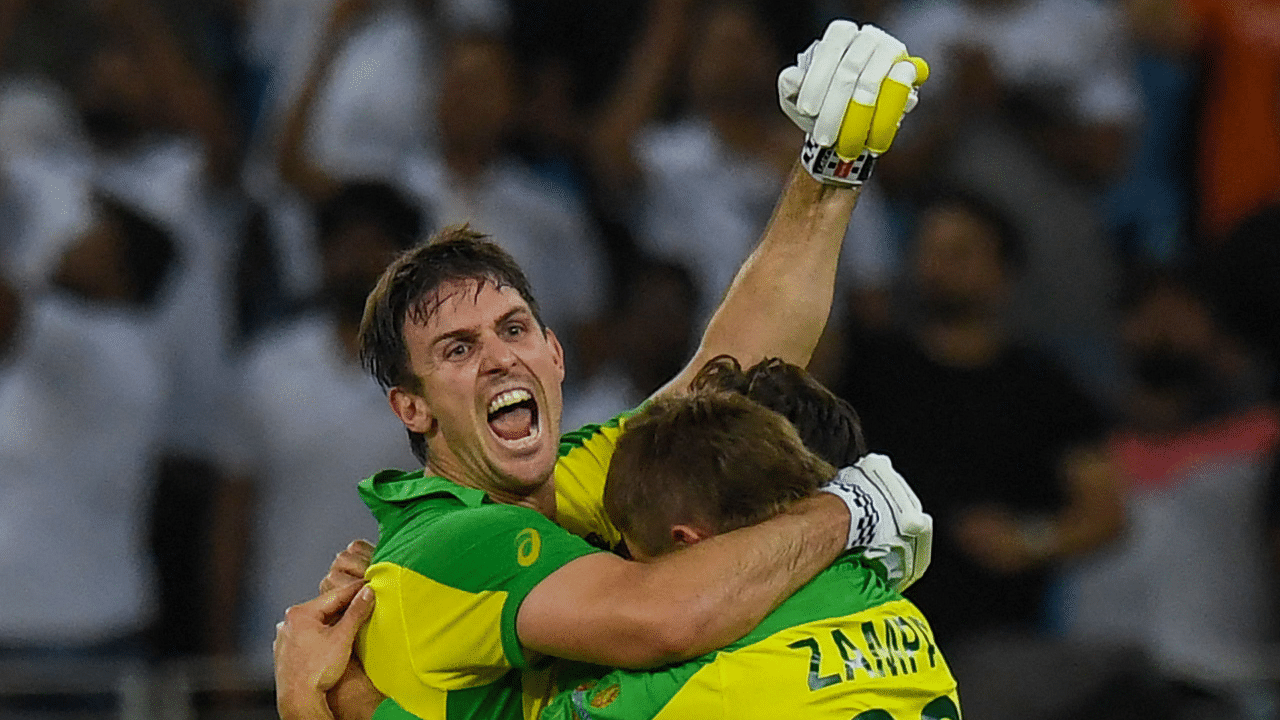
column 352, row 261
column 958, row 269
column 732, row 62
column 490, row 384
column 477, row 95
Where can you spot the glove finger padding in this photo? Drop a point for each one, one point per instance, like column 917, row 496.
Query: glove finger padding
column 894, row 488
column 904, row 564
column 789, row 81
column 923, row 550
column 824, row 61
column 874, row 127
column 844, row 83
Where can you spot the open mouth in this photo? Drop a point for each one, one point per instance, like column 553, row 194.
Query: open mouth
column 513, row 416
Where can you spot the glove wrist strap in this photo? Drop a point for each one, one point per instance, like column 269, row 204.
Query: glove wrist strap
column 829, row 168
column 863, row 516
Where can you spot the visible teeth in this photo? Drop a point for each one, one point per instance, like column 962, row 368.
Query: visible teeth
column 508, row 398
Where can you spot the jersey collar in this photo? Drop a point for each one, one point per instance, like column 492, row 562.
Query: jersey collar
column 398, row 486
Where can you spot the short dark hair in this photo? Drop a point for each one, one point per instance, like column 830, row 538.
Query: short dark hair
column 828, row 425
column 406, row 288
column 1009, row 241
column 373, row 202
column 711, row 457
column 147, row 252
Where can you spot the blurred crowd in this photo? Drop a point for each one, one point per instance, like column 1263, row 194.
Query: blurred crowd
column 1056, row 304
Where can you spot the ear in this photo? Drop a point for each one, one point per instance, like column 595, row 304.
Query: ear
column 557, row 351
column 683, row 535
column 412, row 409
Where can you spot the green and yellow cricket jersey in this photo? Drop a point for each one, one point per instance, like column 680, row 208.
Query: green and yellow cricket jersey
column 845, row 647
column 580, row 475
column 450, row 572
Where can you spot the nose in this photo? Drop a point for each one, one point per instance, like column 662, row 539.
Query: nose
column 498, row 356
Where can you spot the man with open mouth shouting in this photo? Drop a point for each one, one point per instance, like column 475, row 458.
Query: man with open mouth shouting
column 481, row 570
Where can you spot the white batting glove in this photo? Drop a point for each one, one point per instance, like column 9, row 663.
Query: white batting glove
column 886, row 519
column 849, row 92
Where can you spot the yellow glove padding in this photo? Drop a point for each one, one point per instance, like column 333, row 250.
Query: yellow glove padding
column 873, row 127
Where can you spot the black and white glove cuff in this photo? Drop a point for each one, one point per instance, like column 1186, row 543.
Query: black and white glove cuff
column 863, row 515
column 829, row 168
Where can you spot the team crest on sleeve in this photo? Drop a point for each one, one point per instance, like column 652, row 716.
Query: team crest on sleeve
column 605, row 697
column 528, row 547
column 590, row 696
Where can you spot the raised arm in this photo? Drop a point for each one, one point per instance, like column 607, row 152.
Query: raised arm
column 192, row 102
column 637, row 98
column 603, row 609
column 847, row 91
column 780, row 300
column 296, row 168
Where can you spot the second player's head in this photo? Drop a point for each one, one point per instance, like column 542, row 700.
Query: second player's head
column 692, row 466
column 828, row 425
column 453, row 333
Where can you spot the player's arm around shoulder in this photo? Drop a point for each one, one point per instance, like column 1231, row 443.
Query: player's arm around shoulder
column 609, row 611
column 602, row 609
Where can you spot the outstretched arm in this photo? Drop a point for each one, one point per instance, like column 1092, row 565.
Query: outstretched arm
column 296, row 168
column 602, row 609
column 780, row 300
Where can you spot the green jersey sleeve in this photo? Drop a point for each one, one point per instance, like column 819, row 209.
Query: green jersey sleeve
column 390, row 710
column 444, row 619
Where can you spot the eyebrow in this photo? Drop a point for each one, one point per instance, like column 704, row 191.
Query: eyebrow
column 465, row 333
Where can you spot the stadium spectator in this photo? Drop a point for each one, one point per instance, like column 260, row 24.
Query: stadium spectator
column 470, row 176
column 1187, row 585
column 312, row 417
column 1002, row 447
column 82, row 399
column 698, row 187
column 476, row 179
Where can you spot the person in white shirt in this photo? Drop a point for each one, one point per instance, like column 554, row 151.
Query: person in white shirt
column 698, row 188
column 82, row 396
column 312, row 418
